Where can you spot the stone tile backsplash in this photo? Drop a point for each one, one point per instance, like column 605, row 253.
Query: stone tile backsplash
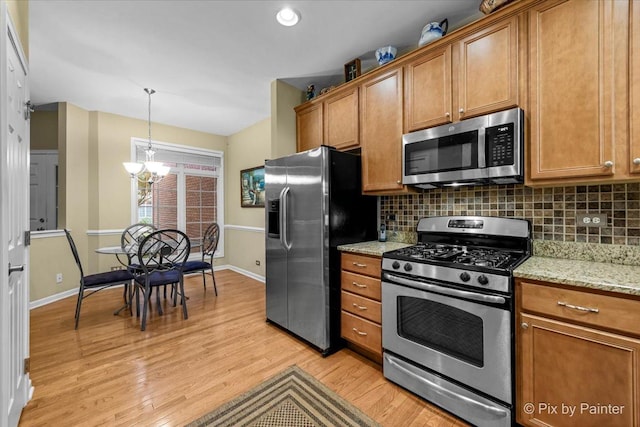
column 552, row 211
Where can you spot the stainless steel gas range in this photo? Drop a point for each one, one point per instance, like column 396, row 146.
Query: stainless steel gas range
column 447, row 314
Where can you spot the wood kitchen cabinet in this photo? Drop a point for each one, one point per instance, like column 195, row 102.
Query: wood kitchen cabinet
column 578, row 100
column 361, row 315
column 309, row 128
column 634, row 93
column 475, row 75
column 578, row 357
column 331, row 121
column 340, row 115
column 381, row 133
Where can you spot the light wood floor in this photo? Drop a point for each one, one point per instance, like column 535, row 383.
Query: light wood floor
column 108, row 372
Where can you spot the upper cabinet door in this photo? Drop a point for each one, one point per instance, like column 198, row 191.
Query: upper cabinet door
column 488, row 70
column 572, row 89
column 309, row 127
column 634, row 93
column 381, row 132
column 428, row 90
column 341, row 128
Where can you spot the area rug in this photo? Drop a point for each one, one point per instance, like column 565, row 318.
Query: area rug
column 292, row 398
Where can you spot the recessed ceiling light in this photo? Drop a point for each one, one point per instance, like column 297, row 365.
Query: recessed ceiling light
column 288, row 17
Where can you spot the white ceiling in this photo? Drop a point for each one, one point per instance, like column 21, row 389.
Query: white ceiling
column 211, row 62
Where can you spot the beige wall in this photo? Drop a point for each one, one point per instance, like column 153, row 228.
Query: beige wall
column 44, row 130
column 93, row 146
column 246, row 149
column 50, row 256
column 283, row 118
column 19, row 12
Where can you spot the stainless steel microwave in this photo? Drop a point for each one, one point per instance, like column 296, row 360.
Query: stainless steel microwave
column 482, row 150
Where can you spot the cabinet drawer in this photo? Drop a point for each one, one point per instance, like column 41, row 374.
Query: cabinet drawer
column 362, row 332
column 613, row 313
column 361, row 306
column 362, row 285
column 361, row 264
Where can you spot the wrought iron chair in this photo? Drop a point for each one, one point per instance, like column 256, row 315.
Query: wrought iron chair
column 161, row 255
column 93, row 283
column 209, row 246
column 129, row 242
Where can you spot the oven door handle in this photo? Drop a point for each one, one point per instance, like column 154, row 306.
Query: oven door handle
column 493, row 299
column 443, row 391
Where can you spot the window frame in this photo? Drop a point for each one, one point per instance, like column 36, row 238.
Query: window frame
column 166, row 146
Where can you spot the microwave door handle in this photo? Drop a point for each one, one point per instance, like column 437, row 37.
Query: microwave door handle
column 482, row 151
column 443, row 391
column 492, row 299
column 284, row 218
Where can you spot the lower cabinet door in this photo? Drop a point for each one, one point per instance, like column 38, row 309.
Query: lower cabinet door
column 362, row 332
column 576, row 376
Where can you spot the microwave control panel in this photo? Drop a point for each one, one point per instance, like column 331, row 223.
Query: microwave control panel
column 499, row 141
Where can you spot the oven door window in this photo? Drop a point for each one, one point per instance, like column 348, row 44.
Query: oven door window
column 443, row 328
column 447, row 153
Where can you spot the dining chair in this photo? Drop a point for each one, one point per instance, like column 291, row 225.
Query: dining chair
column 208, row 248
column 130, row 241
column 93, row 283
column 161, row 255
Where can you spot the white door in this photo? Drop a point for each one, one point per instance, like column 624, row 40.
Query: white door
column 14, row 218
column 43, row 190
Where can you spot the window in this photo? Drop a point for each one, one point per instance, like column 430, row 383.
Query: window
column 189, row 198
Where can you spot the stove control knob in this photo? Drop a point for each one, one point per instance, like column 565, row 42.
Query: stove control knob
column 407, row 267
column 482, row 279
column 395, row 265
column 465, row 277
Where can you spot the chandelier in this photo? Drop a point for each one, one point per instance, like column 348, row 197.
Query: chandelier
column 149, row 171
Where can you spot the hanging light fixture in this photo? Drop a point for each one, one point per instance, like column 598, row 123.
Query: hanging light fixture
column 156, row 170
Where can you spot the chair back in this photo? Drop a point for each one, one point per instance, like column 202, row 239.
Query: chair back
column 210, row 240
column 165, row 249
column 132, row 236
column 74, row 251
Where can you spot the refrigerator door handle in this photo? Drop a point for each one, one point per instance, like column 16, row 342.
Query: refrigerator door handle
column 284, row 210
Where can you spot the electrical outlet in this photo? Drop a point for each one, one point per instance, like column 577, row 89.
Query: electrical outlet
column 257, row 262
column 59, row 278
column 591, row 220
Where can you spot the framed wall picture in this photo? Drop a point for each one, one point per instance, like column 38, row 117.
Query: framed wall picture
column 351, row 70
column 252, row 187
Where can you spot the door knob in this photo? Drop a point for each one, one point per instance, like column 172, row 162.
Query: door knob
column 15, row 268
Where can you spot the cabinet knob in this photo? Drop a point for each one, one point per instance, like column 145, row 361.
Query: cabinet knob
column 399, row 182
column 608, row 164
column 524, row 325
column 636, row 161
column 461, row 110
column 447, row 114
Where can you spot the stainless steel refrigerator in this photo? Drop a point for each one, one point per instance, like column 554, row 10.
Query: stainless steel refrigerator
column 314, row 203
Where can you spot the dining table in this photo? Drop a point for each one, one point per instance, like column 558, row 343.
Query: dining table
column 123, row 258
column 123, row 255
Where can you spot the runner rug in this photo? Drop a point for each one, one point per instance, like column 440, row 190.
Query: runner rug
column 292, row 398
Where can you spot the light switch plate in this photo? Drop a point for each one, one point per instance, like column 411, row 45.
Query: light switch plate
column 591, row 220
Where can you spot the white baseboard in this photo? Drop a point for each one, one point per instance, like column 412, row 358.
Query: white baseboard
column 243, row 272
column 53, row 298
column 70, row 292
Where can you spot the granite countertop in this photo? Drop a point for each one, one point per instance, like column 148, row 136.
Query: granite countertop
column 610, row 268
column 587, row 274
column 373, row 247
